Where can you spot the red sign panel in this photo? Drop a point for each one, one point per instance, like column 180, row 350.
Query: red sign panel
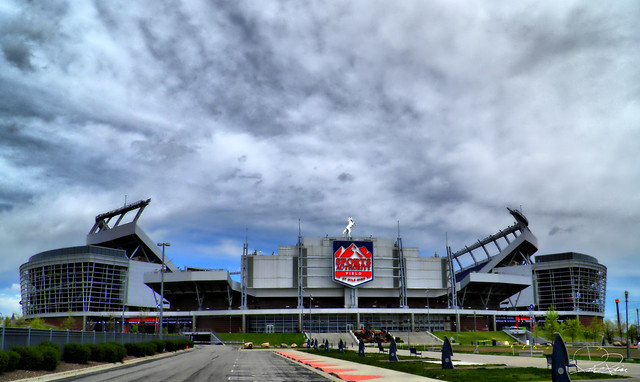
column 353, row 262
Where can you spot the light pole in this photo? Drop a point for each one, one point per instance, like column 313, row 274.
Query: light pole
column 310, row 316
column 162, row 285
column 475, row 331
column 428, row 312
column 457, row 324
column 626, row 311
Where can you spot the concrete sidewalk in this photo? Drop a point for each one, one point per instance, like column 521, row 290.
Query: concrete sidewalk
column 340, row 370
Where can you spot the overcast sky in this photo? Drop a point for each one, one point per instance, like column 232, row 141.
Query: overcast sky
column 239, row 118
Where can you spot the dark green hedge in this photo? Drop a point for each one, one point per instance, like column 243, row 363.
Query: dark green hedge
column 97, row 352
column 140, row 349
column 47, row 355
column 30, row 357
column 4, row 361
column 159, row 344
column 114, row 352
column 76, row 353
column 174, row 345
column 14, row 360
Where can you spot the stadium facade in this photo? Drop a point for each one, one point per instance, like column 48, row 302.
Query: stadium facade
column 320, row 284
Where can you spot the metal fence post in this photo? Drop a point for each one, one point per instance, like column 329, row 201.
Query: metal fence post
column 50, row 334
column 29, row 336
column 2, row 343
column 67, row 336
column 82, row 337
column 94, row 336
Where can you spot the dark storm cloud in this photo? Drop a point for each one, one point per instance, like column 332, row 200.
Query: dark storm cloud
column 236, row 115
column 345, row 177
column 17, row 53
column 582, row 29
column 557, row 230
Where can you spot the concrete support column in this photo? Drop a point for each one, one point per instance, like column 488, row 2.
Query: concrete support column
column 300, row 328
column 244, row 322
column 84, row 322
column 413, row 325
column 358, row 321
column 193, row 324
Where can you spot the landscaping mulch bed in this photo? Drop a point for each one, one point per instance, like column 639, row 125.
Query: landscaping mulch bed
column 62, row 367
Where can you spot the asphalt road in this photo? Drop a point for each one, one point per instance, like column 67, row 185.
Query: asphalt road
column 210, row 363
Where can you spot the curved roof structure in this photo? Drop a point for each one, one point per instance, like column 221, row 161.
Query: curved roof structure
column 109, row 231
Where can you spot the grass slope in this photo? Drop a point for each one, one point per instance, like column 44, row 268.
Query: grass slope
column 275, row 339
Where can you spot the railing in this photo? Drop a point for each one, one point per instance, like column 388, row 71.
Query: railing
column 10, row 337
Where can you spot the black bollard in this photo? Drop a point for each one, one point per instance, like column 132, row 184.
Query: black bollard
column 341, row 346
column 326, row 345
column 361, row 348
column 447, row 353
column 393, row 351
column 559, row 361
column 315, row 344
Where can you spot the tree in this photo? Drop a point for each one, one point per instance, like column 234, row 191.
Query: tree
column 633, row 333
column 610, row 328
column 551, row 324
column 37, row 323
column 573, row 328
column 68, row 323
column 595, row 329
column 111, row 324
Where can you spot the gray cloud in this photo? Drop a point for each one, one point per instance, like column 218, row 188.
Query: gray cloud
column 557, row 230
column 233, row 116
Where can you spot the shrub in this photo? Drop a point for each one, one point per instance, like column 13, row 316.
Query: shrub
column 53, row 346
column 30, row 357
column 134, row 349
column 97, row 352
column 121, row 351
column 110, row 353
column 114, row 352
column 50, row 358
column 8, row 360
column 159, row 344
column 76, row 353
column 149, row 348
column 14, row 360
column 4, row 361
column 174, row 345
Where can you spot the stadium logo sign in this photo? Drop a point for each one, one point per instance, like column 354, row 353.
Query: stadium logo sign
column 352, row 262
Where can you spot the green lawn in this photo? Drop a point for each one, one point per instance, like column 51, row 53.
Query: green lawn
column 468, row 338
column 275, row 339
column 488, row 373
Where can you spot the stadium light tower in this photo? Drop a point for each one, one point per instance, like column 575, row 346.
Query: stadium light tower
column 162, row 286
column 626, row 311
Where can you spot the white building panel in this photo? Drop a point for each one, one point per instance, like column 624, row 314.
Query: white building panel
column 272, row 272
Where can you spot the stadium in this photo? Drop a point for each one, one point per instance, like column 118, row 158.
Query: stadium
column 317, row 285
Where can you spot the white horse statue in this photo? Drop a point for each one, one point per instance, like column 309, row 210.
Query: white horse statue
column 350, row 224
